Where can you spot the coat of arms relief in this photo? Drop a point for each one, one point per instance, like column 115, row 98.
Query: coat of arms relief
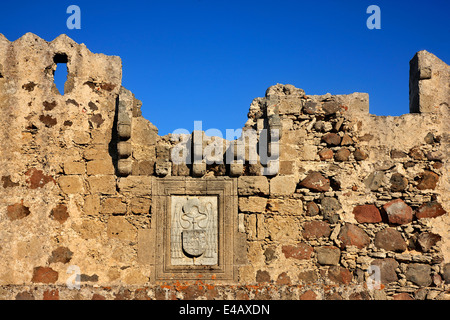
column 194, row 230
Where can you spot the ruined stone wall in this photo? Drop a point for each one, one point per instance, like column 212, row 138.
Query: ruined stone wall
column 86, row 184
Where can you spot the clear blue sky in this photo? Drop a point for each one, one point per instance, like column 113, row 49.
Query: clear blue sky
column 207, row 59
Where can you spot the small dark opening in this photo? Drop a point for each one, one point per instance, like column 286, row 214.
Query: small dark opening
column 60, row 76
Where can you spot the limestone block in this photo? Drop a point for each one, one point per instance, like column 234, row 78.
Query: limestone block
column 72, row 167
column 102, row 184
column 252, row 204
column 120, row 228
column 283, row 185
column 100, row 167
column 71, row 184
column 114, row 206
column 253, row 185
column 137, row 185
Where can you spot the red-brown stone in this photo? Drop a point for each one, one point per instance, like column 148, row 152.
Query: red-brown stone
column 51, row 295
column 316, row 229
column 325, row 154
column 340, row 275
column 402, row 296
column 398, row 212
column 283, row 279
column 17, row 211
column 316, row 182
column 59, row 213
column 37, row 179
column 390, row 240
column 308, row 295
column 352, row 235
column 367, row 213
column 44, row 275
column 301, row 251
column 332, row 139
column 431, row 209
column 427, row 180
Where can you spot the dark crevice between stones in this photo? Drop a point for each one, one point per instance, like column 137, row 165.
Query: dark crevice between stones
column 112, row 146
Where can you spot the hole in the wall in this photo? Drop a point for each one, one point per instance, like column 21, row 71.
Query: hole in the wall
column 60, row 76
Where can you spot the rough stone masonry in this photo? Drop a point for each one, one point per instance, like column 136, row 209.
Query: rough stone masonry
column 88, row 184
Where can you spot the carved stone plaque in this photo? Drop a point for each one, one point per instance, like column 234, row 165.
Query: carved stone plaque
column 194, row 228
column 193, row 234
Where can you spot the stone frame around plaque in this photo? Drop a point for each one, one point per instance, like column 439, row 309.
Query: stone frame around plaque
column 223, row 193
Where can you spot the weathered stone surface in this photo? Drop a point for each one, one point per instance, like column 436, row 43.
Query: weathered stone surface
column 59, row 213
column 308, row 295
column 419, row 274
column 120, row 228
column 100, row 167
column 262, row 276
column 44, row 275
column 328, row 255
column 340, row 275
column 326, row 154
column 301, row 251
column 285, row 206
column 342, row 154
column 426, row 240
column 283, row 185
column 312, row 209
column 17, row 211
column 367, row 214
column 140, row 205
column 390, row 240
column 346, row 140
column 403, row 296
column 138, row 185
column 73, row 167
column 398, row 212
column 331, row 139
column 102, row 184
column 387, row 269
column 61, row 254
column 71, row 184
column 398, row 182
column 37, row 178
column 253, row 185
column 316, row 182
column 446, row 272
column 316, row 229
column 427, row 180
column 360, row 155
column 114, row 206
column 431, row 209
column 352, row 235
column 330, row 107
column 374, row 180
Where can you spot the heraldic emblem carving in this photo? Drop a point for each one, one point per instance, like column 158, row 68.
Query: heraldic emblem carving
column 193, row 233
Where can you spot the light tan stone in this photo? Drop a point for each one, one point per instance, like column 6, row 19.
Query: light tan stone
column 253, row 185
column 252, row 204
column 120, row 228
column 102, row 184
column 100, row 167
column 71, row 184
column 73, row 167
column 283, row 185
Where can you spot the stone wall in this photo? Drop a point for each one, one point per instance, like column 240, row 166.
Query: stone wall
column 86, row 186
